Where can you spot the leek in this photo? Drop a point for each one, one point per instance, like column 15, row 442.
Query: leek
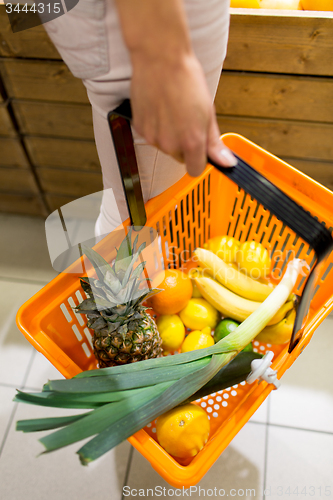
column 124, row 399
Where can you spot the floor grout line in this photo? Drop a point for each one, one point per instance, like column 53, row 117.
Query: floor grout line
column 284, row 426
column 12, row 414
column 266, row 449
column 128, row 468
column 17, row 386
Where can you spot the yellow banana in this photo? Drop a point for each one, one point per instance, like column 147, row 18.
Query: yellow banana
column 230, row 277
column 227, row 302
column 280, row 315
column 279, row 333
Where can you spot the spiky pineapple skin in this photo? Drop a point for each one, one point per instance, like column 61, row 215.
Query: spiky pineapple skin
column 140, row 341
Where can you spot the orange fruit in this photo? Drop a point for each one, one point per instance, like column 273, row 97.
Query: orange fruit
column 317, row 4
column 177, row 291
column 183, row 431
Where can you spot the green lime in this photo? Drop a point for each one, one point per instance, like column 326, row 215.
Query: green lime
column 248, row 348
column 225, row 327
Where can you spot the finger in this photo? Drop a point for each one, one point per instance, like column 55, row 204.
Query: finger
column 216, row 149
column 195, row 155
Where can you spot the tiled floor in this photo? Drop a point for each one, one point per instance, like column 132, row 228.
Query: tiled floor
column 285, row 449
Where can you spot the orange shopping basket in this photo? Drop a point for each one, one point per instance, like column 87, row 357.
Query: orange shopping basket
column 262, row 203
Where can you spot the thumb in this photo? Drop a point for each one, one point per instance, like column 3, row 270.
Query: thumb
column 216, row 150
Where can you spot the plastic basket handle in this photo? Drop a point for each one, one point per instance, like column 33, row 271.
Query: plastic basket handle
column 246, row 177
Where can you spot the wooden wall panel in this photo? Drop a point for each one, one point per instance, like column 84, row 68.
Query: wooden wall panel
column 42, row 80
column 50, row 119
column 275, row 96
column 293, row 42
column 321, row 171
column 22, row 204
column 302, row 140
column 6, row 125
column 63, row 153
column 69, row 182
column 32, row 43
column 12, row 153
column 17, row 180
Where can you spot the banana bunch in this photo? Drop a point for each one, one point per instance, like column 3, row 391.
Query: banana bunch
column 237, row 295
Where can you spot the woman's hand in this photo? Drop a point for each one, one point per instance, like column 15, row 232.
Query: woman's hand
column 171, row 104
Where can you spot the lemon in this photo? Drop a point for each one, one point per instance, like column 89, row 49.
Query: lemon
column 183, row 431
column 171, row 330
column 199, row 313
column 225, row 327
column 225, row 247
column 197, row 340
column 253, row 259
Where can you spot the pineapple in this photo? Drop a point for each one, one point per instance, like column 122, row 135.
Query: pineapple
column 124, row 332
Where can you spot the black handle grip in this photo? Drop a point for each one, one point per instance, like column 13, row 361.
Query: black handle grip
column 284, row 208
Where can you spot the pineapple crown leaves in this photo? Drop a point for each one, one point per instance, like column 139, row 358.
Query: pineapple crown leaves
column 118, row 283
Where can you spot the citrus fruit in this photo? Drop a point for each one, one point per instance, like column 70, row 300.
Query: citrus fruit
column 183, row 431
column 224, row 247
column 176, row 291
column 171, row 330
column 253, row 259
column 247, row 4
column 197, row 340
column 225, row 327
column 199, row 313
column 317, row 4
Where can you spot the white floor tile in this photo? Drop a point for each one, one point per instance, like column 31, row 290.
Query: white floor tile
column 305, row 398
column 24, row 253
column 6, row 407
column 261, row 415
column 299, row 464
column 15, row 350
column 41, row 371
column 58, row 475
column 240, row 467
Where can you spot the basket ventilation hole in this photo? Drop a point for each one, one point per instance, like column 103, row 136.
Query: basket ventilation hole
column 226, row 396
column 88, row 336
column 216, row 407
column 219, row 399
column 77, row 315
column 215, row 414
column 77, row 332
column 66, row 313
column 224, row 403
column 154, row 430
column 233, row 393
column 203, row 404
column 86, row 350
column 209, row 409
column 329, row 267
column 79, row 296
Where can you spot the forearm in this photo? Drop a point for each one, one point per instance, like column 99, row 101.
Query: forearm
column 154, row 28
